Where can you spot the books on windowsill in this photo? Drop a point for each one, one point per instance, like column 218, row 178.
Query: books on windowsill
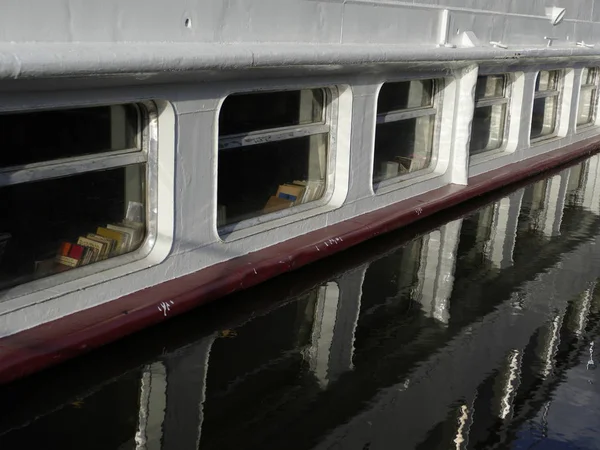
column 294, row 194
column 106, row 242
column 389, row 169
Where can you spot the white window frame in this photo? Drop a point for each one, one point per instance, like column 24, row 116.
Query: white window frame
column 410, row 113
column 558, row 94
column 594, row 103
column 485, row 102
column 329, row 124
column 146, row 152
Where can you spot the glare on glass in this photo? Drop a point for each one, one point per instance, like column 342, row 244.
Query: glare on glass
column 587, row 97
column 545, row 104
column 488, row 128
column 490, row 86
column 405, row 95
column 543, row 119
column 403, row 147
column 489, row 117
column 547, row 80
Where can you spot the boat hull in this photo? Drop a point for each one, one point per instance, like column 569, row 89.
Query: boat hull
column 56, row 341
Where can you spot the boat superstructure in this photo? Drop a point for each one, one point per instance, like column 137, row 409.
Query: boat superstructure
column 159, row 155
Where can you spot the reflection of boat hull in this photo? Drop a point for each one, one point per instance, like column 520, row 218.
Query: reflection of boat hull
column 48, row 344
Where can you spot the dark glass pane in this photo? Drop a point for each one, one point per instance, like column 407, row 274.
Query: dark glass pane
column 31, row 137
column 402, row 147
column 585, row 109
column 405, row 95
column 83, row 218
column 490, row 86
column 543, row 120
column 547, row 80
column 242, row 113
column 488, row 128
column 588, row 75
column 264, row 178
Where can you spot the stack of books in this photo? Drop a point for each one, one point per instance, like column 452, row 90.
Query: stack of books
column 296, row 193
column 402, row 165
column 106, row 242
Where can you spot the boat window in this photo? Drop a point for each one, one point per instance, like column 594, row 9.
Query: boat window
column 405, row 125
column 273, row 152
column 489, row 117
column 545, row 104
column 67, row 133
column 587, row 96
column 73, row 191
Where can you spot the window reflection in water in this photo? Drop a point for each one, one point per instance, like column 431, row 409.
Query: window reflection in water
column 534, row 200
column 475, row 239
column 576, row 183
column 295, row 342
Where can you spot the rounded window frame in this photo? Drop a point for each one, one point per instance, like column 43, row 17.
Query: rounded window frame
column 147, row 153
column 260, row 223
column 439, row 83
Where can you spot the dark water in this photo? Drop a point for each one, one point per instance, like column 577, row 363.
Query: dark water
column 477, row 328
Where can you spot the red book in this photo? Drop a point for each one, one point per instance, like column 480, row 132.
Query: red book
column 76, row 251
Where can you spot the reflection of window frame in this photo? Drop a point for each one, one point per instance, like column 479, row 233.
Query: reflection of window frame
column 328, row 124
column 594, row 98
column 146, row 152
column 575, row 187
column 433, row 109
column 547, row 93
column 493, row 101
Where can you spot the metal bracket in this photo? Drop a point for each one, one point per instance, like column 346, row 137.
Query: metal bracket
column 499, row 44
column 583, row 44
column 444, row 30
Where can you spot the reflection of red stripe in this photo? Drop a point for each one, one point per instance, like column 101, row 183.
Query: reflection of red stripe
column 48, row 344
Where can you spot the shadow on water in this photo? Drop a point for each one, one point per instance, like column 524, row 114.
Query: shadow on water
column 468, row 330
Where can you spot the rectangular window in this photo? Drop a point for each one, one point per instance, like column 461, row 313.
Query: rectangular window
column 72, row 188
column 406, row 116
column 489, row 117
column 545, row 104
column 273, row 152
column 587, row 96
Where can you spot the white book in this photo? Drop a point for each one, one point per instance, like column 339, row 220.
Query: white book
column 389, row 169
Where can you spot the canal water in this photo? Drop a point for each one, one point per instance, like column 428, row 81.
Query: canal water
column 476, row 328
